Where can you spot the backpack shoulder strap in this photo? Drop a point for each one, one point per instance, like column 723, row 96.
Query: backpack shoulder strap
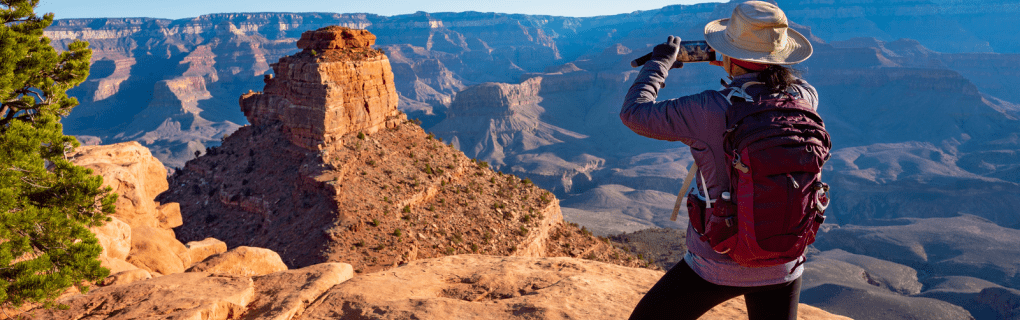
column 741, row 92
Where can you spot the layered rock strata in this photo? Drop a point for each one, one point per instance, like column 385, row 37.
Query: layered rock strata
column 336, row 85
column 486, row 119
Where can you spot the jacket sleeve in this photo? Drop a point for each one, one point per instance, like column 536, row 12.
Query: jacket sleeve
column 672, row 120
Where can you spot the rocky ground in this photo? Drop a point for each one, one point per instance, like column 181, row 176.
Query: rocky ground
column 663, row 247
column 158, row 277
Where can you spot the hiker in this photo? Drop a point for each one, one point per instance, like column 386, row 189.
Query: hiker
column 756, row 45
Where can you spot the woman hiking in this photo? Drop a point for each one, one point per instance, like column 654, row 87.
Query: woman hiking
column 756, row 45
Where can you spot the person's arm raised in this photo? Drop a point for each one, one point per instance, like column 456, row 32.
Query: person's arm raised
column 671, row 120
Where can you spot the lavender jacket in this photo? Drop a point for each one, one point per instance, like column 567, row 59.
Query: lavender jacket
column 699, row 121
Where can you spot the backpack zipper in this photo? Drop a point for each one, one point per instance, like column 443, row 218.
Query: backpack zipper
column 793, row 181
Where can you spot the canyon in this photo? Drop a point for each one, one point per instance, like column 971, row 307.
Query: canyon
column 924, row 124
column 514, row 274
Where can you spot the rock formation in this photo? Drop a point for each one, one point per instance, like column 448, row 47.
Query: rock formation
column 204, row 296
column 242, row 261
column 336, row 85
column 139, row 234
column 329, row 170
column 199, row 250
column 137, row 177
column 178, row 296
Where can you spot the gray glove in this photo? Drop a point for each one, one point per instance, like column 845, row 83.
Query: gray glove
column 667, row 52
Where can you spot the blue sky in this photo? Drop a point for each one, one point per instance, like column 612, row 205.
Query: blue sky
column 176, row 9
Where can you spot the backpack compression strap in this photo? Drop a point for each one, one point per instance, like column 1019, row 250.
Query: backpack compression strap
column 684, row 190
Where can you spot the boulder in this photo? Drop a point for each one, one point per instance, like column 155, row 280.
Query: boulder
column 126, row 277
column 158, row 251
column 115, row 237
column 199, row 250
column 133, row 173
column 284, row 295
column 242, row 261
column 168, row 215
column 116, row 265
column 198, row 296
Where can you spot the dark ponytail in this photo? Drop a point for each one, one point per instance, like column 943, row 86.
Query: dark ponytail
column 778, row 78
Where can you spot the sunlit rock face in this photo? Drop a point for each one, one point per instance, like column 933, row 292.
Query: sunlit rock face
column 336, row 85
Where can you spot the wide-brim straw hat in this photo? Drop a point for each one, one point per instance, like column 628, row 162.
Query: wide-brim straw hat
column 759, row 32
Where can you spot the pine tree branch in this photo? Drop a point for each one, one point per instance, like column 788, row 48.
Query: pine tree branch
column 25, row 180
column 11, row 112
column 38, row 98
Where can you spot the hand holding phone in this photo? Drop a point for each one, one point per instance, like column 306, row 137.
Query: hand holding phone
column 690, row 51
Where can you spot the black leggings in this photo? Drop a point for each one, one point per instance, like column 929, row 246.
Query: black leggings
column 682, row 294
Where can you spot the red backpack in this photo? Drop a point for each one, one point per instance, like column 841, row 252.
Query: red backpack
column 777, row 146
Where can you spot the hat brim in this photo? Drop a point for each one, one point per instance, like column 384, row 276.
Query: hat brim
column 797, row 49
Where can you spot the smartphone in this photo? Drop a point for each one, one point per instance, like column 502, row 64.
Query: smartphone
column 695, row 51
column 690, row 51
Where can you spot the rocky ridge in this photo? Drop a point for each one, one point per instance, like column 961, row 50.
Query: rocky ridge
column 332, row 174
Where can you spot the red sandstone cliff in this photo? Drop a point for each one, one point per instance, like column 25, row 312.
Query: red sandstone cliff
column 336, row 85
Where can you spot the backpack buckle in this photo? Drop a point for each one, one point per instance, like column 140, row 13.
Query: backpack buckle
column 821, row 196
column 739, row 165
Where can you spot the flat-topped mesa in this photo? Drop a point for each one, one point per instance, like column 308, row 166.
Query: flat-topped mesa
column 336, row 85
